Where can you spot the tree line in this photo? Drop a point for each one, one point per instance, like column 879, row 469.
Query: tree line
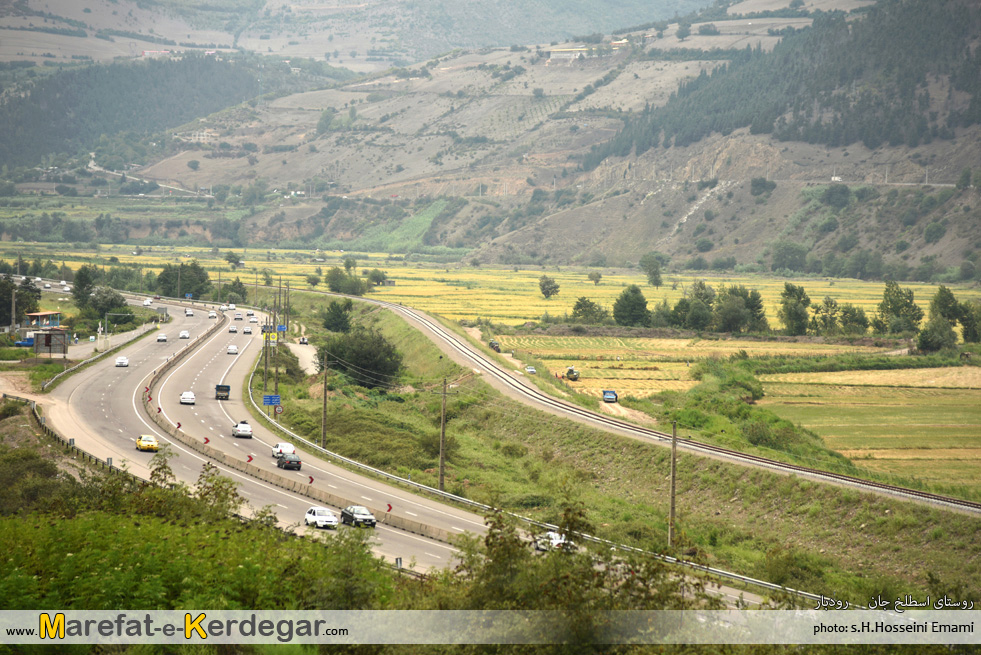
column 738, row 309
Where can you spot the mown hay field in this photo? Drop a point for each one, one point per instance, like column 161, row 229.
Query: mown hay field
column 922, row 423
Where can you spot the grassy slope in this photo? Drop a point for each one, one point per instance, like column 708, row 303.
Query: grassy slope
column 751, row 521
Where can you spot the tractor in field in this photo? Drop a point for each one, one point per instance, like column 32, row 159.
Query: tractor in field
column 571, row 374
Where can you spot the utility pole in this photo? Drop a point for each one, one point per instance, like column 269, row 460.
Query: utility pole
column 13, row 310
column 276, row 326
column 287, row 308
column 180, row 267
column 442, row 437
column 674, row 470
column 256, row 303
column 219, row 284
column 323, row 419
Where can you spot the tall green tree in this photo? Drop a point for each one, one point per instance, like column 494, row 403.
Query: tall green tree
column 337, row 316
column 630, row 307
column 651, row 265
column 898, row 312
column 27, row 294
column 587, row 311
column 793, row 309
column 181, row 279
column 365, row 356
column 86, row 278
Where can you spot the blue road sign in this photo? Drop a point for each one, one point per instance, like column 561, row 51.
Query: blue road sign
column 188, row 295
column 270, row 400
column 281, row 328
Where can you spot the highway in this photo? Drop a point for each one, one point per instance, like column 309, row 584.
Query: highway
column 101, row 408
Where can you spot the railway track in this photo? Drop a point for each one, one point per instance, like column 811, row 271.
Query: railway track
column 622, row 427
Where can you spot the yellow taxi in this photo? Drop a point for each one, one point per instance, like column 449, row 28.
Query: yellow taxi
column 147, row 442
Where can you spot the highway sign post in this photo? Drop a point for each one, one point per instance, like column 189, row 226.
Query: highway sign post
column 278, row 409
column 270, row 400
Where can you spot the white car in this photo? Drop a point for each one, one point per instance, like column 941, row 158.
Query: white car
column 530, row 370
column 187, row 398
column 37, row 279
column 188, row 312
column 284, row 448
column 320, row 517
column 47, row 285
column 232, row 328
column 253, row 320
column 62, row 283
column 238, row 316
column 122, row 361
column 553, row 541
column 233, row 350
column 161, row 337
column 212, row 315
column 242, row 429
column 184, row 335
column 223, row 308
column 249, row 312
column 147, row 302
column 66, row 289
column 247, row 330
column 231, row 306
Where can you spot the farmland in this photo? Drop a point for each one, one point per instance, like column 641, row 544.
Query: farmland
column 924, row 423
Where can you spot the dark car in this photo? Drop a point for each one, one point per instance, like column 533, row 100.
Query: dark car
column 289, row 461
column 357, row 515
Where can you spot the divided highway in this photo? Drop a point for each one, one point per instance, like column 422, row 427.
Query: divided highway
column 102, row 409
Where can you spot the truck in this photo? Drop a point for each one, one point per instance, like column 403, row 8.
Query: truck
column 222, row 391
column 610, row 396
column 571, row 374
column 26, row 342
column 496, row 347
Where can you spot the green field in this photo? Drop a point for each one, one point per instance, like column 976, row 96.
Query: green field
column 926, row 432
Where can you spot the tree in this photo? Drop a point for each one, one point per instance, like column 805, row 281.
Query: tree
column 630, row 307
column 376, row 276
column 826, row 316
column 684, row 31
column 232, row 258
column 937, row 335
column 594, row 277
column 336, row 317
column 236, row 288
column 365, row 356
column 651, row 265
column 105, row 299
column 793, row 309
column 28, row 298
column 194, row 164
column 699, row 316
column 313, row 280
column 350, row 265
column 548, row 286
column 898, row 312
column 730, row 313
column 853, row 319
column 944, row 305
column 85, row 280
column 183, row 279
column 789, row 255
column 587, row 311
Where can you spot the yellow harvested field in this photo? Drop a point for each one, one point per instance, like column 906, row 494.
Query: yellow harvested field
column 962, row 377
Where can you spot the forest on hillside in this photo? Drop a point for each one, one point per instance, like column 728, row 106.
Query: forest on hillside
column 837, row 82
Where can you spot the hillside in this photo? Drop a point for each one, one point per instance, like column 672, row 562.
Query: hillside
column 530, row 155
